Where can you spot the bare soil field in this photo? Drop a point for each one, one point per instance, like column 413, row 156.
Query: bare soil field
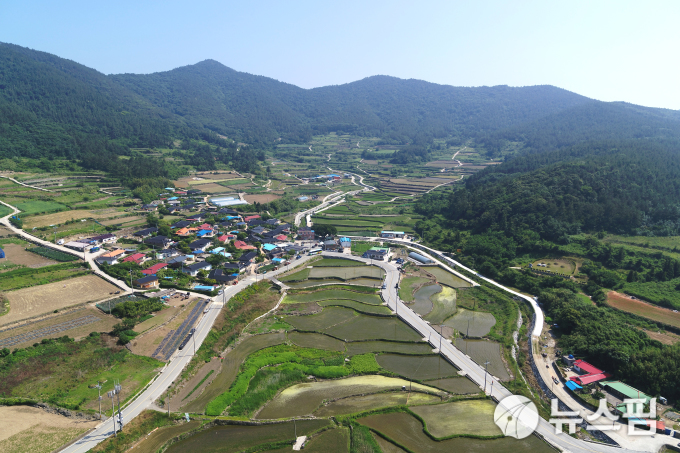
column 63, row 216
column 261, row 198
column 212, row 188
column 29, row 429
column 37, row 300
column 637, row 307
column 15, row 253
column 55, row 326
column 665, row 338
column 147, row 343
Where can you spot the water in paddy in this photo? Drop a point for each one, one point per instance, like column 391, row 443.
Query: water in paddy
column 371, row 282
column 422, row 304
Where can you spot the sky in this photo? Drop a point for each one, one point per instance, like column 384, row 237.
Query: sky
column 607, row 50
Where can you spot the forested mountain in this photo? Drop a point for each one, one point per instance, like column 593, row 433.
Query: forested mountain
column 51, row 107
column 629, row 187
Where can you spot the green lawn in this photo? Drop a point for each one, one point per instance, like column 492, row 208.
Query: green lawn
column 4, row 210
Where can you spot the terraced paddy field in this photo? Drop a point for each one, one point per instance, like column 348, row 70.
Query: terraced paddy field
column 407, row 431
column 232, row 438
column 347, row 272
column 365, row 298
column 304, row 399
column 417, row 367
column 458, row 385
column 337, row 262
column 358, row 306
column 421, row 300
column 447, row 278
column 481, row 351
column 316, row 340
column 154, row 441
column 363, row 347
column 408, row 285
column 471, row 323
column 443, row 305
column 370, row 282
column 230, row 368
column 461, row 417
column 330, row 441
column 354, row 404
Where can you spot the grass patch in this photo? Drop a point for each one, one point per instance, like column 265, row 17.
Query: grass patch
column 199, row 384
column 407, row 285
column 135, row 429
column 360, row 247
column 39, row 207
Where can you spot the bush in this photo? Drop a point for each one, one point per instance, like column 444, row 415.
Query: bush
column 363, row 364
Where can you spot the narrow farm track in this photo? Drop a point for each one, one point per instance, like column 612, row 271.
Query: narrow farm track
column 25, row 185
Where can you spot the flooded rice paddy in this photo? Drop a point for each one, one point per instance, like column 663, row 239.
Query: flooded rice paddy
column 421, row 299
column 460, row 417
column 354, row 404
column 447, row 278
column 370, row 282
column 362, row 347
column 481, row 351
column 304, row 399
column 316, row 296
column 444, row 305
column 458, row 385
column 471, row 323
column 316, row 340
column 358, row 306
column 417, row 367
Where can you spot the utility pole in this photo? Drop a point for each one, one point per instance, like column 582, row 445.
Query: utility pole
column 99, row 391
column 111, row 394
column 486, row 366
column 120, row 416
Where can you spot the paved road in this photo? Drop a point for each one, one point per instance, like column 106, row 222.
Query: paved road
column 474, row 371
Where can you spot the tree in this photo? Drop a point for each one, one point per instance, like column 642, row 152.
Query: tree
column 325, row 230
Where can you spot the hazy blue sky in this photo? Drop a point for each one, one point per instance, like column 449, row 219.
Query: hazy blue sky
column 608, row 50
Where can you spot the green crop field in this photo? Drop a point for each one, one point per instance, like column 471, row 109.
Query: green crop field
column 40, row 206
column 55, row 255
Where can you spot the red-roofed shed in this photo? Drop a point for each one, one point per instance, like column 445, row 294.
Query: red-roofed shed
column 590, row 378
column 583, row 367
column 243, row 246
column 153, row 269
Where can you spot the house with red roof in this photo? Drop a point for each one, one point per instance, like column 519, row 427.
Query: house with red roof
column 136, row 258
column 226, row 237
column 281, row 237
column 205, row 226
column 241, row 245
column 251, row 217
column 153, row 269
column 590, row 378
column 583, row 367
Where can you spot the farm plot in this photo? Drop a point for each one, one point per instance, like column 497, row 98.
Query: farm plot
column 347, row 272
column 471, row 323
column 444, row 303
column 73, row 323
column 421, row 300
column 336, row 262
column 373, row 328
column 637, row 307
column 322, row 321
column 417, row 367
column 171, row 341
column 230, row 368
column 354, row 404
column 35, row 206
column 329, row 441
column 362, row 347
column 303, row 399
column 261, row 198
column 333, row 294
column 30, row 429
column 244, row 437
column 407, row 431
column 458, row 385
column 17, row 254
column 462, row 417
column 52, row 254
column 316, row 340
column 157, row 438
column 358, row 306
column 407, row 286
column 447, row 278
column 371, row 282
column 482, row 351
column 38, row 300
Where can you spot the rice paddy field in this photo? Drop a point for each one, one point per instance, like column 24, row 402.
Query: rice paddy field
column 362, row 347
column 461, row 417
column 230, row 368
column 304, row 399
column 337, row 262
column 458, row 385
column 417, row 367
column 358, row 306
column 421, row 299
column 443, row 305
column 407, row 431
column 239, row 437
column 354, row 404
column 481, row 351
column 471, row 323
column 316, row 340
column 365, row 298
column 447, row 278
